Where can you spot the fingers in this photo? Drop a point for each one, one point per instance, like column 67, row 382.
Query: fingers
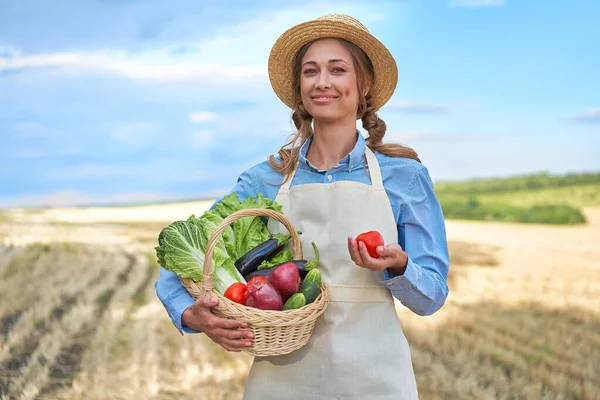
column 235, row 345
column 234, row 334
column 232, row 340
column 364, row 253
column 369, row 262
column 354, row 251
column 223, row 331
column 361, row 257
column 229, row 323
column 208, row 301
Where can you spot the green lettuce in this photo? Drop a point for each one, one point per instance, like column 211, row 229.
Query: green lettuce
column 277, row 259
column 228, row 234
column 248, row 232
column 181, row 249
column 182, row 244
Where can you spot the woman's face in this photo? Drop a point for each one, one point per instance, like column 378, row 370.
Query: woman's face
column 328, row 84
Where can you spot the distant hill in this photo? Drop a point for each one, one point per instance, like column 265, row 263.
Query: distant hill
column 539, row 198
column 519, row 183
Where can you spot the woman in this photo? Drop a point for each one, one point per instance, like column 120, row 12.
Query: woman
column 336, row 185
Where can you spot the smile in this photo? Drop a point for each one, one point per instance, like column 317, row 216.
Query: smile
column 323, row 99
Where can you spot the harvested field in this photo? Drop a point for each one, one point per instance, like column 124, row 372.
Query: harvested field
column 79, row 318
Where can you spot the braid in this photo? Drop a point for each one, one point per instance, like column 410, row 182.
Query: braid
column 288, row 154
column 376, row 128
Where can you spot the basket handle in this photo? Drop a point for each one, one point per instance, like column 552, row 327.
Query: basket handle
column 207, row 270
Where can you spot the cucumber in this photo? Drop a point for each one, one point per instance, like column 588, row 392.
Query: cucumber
column 296, row 301
column 314, row 275
column 311, row 285
column 310, row 290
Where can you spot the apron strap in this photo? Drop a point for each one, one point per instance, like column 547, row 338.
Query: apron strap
column 359, row 294
column 285, row 187
column 374, row 170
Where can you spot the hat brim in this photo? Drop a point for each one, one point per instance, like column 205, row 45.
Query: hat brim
column 291, row 41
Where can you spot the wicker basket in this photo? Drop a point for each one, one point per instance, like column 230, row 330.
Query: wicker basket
column 275, row 332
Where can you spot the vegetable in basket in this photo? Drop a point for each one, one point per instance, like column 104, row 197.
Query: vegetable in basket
column 237, row 293
column 286, row 279
column 261, row 294
column 311, row 285
column 181, row 249
column 248, row 232
column 250, row 261
column 296, row 301
column 182, row 244
column 303, row 266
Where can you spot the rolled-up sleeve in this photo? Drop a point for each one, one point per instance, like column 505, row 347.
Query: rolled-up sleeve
column 422, row 234
column 174, row 297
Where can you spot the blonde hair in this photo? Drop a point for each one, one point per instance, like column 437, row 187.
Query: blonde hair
column 376, row 127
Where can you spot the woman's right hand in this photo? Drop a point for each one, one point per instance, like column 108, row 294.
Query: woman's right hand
column 222, row 331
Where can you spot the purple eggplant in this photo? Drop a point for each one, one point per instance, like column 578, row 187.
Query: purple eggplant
column 250, row 261
column 303, row 266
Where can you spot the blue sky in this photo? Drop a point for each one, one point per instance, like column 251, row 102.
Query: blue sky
column 125, row 101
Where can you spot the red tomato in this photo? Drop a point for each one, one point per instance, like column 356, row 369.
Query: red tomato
column 237, row 293
column 372, row 240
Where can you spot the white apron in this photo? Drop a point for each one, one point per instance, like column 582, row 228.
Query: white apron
column 357, row 349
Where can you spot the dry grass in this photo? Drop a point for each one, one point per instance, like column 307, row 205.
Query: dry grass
column 79, row 318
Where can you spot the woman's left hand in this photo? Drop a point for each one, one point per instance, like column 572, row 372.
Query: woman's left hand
column 390, row 256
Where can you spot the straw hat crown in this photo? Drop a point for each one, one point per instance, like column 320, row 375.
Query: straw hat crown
column 338, row 26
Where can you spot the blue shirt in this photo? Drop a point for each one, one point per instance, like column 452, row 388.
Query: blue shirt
column 421, row 230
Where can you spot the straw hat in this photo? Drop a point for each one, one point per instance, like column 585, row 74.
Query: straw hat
column 331, row 26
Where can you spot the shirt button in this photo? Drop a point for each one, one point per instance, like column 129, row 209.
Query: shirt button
column 329, row 178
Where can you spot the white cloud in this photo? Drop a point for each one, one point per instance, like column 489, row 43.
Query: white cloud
column 589, row 116
column 476, row 3
column 237, row 54
column 251, row 40
column 203, row 116
column 155, row 65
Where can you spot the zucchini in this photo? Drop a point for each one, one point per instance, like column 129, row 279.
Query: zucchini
column 297, row 300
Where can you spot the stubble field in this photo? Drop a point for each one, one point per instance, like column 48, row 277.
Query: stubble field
column 79, row 318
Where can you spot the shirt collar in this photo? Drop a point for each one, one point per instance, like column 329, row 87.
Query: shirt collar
column 354, row 158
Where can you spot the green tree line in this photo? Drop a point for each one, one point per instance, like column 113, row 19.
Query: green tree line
column 526, row 182
column 540, row 198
